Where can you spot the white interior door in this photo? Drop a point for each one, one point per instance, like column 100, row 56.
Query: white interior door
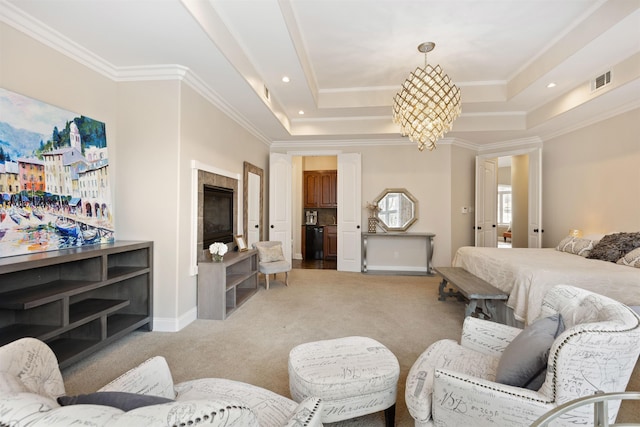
column 253, row 208
column 535, row 229
column 280, row 201
column 349, row 212
column 486, row 233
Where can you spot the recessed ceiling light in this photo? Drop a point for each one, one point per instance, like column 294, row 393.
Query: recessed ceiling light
column 550, row 85
column 286, row 79
column 301, row 112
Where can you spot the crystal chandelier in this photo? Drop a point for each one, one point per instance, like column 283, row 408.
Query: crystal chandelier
column 427, row 105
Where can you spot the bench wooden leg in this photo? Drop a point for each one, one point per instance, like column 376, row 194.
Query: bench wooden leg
column 448, row 293
column 471, row 307
column 490, row 307
column 443, row 295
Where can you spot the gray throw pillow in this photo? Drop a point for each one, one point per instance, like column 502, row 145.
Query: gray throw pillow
column 116, row 399
column 524, row 360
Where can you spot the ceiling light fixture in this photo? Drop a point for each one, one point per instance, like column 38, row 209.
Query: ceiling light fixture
column 427, row 105
column 286, row 79
column 550, row 85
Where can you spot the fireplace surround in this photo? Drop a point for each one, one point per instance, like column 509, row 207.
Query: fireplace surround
column 211, row 179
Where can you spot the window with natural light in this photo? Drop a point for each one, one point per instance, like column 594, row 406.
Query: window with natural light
column 504, row 204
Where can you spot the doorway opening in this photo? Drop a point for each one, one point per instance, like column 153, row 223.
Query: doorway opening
column 525, row 218
column 505, row 202
column 315, row 212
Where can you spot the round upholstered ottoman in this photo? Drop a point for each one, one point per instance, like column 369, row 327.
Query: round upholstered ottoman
column 354, row 376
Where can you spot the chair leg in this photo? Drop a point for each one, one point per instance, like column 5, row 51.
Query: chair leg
column 286, row 278
column 266, row 278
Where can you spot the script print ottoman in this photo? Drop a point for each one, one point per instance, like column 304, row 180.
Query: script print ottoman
column 353, row 376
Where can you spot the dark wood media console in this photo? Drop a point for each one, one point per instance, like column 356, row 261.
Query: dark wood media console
column 77, row 300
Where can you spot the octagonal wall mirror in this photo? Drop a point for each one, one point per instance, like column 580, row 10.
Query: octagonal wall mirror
column 397, row 209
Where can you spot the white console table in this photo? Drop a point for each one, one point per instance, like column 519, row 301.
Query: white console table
column 399, row 235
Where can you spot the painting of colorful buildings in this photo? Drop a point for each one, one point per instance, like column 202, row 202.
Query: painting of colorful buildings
column 54, row 178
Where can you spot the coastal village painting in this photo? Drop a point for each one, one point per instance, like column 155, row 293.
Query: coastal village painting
column 54, row 178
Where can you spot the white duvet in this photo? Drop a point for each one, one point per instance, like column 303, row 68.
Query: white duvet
column 527, row 274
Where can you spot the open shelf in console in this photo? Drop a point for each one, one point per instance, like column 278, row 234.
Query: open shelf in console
column 224, row 286
column 77, row 300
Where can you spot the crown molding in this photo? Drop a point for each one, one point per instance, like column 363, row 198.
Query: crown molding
column 354, row 143
column 194, row 82
column 510, row 145
column 46, row 35
column 605, row 115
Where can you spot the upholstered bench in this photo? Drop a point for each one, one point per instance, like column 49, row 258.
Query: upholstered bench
column 353, row 376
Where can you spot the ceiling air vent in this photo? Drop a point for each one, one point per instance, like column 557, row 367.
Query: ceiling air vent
column 601, row 81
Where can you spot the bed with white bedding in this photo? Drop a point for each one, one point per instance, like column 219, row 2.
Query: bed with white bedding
column 527, row 274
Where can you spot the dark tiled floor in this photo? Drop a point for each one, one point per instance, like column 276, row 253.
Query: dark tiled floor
column 315, row 263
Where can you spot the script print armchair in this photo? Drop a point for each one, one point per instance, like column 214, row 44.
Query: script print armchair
column 455, row 384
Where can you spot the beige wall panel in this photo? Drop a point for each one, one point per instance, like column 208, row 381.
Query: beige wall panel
column 320, row 163
column 148, row 207
column 591, row 179
column 520, row 201
column 463, row 166
column 426, row 175
column 210, row 137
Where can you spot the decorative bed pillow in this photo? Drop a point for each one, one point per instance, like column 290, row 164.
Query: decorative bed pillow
column 612, row 247
column 576, row 246
column 564, row 242
column 270, row 254
column 524, row 361
column 116, row 399
column 632, row 259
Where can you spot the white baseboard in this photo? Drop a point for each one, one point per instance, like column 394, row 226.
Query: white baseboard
column 417, row 269
column 168, row 324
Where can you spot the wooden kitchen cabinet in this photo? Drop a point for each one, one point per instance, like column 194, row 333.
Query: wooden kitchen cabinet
column 329, row 189
column 311, row 189
column 320, row 189
column 330, row 242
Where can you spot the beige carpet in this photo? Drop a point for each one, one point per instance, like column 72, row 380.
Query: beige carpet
column 252, row 345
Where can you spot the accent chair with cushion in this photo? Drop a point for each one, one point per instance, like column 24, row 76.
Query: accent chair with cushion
column 32, row 394
column 272, row 261
column 504, row 376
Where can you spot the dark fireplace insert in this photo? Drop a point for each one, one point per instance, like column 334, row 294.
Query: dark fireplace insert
column 217, row 215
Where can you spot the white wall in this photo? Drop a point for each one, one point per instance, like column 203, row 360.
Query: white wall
column 463, row 166
column 426, row 175
column 520, row 201
column 319, row 163
column 591, row 179
column 146, row 187
column 210, row 137
column 154, row 130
